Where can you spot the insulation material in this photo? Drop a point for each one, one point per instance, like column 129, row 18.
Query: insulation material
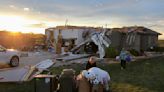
column 98, row 39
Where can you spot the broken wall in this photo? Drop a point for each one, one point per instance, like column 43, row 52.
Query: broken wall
column 116, row 40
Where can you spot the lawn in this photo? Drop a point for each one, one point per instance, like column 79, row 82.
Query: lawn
column 140, row 76
column 161, row 43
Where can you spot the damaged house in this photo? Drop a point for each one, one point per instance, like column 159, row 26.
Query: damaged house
column 135, row 37
column 90, row 39
column 71, row 36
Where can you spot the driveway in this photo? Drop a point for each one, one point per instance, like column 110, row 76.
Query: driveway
column 16, row 74
column 35, row 58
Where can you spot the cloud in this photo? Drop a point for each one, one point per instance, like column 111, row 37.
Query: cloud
column 88, row 12
column 161, row 36
column 26, row 9
column 37, row 25
column 12, row 6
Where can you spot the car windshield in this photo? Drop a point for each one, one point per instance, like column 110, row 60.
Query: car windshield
column 2, row 48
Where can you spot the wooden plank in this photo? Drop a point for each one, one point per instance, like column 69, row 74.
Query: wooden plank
column 28, row 74
column 73, row 57
column 80, row 45
column 44, row 76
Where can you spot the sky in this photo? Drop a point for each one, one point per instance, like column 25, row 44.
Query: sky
column 36, row 15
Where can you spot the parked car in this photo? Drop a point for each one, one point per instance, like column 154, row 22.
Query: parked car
column 9, row 56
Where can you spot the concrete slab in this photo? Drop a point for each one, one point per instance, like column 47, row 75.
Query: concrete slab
column 35, row 58
column 13, row 75
column 24, row 73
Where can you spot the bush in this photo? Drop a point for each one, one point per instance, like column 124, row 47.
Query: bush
column 134, row 52
column 111, row 52
column 157, row 49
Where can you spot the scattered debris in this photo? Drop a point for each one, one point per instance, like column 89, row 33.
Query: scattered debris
column 99, row 39
column 101, row 42
column 73, row 57
column 14, row 75
column 24, row 73
column 44, row 64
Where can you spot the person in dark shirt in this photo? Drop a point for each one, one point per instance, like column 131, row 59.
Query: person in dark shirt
column 91, row 62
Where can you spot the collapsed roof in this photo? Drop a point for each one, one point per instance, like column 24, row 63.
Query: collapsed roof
column 138, row 29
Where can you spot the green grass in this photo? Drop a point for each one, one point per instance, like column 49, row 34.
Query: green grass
column 17, row 87
column 161, row 43
column 140, row 76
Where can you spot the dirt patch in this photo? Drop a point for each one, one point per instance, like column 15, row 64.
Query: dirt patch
column 2, row 66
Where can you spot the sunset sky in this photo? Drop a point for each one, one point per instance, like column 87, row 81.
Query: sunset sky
column 36, row 15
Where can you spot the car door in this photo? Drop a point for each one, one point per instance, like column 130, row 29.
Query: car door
column 3, row 55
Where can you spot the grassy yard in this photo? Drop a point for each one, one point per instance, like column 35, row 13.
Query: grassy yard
column 140, row 76
column 161, row 43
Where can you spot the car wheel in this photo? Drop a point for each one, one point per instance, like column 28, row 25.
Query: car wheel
column 14, row 61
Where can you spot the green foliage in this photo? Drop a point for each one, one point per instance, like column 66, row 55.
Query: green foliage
column 157, row 49
column 111, row 52
column 134, row 52
column 161, row 43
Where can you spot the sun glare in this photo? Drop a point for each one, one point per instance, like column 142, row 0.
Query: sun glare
column 14, row 33
column 11, row 20
column 16, row 23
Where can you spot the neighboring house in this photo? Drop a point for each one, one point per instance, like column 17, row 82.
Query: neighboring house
column 135, row 37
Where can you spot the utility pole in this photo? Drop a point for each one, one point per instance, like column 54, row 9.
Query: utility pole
column 66, row 21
